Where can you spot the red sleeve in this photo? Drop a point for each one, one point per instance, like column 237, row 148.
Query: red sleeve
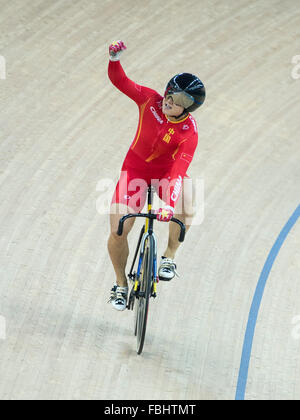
column 137, row 93
column 183, row 158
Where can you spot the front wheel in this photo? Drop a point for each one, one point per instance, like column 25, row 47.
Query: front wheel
column 142, row 304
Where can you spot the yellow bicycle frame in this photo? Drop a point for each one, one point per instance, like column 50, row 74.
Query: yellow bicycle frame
column 147, row 220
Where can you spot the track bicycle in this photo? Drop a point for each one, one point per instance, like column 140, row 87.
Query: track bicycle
column 145, row 279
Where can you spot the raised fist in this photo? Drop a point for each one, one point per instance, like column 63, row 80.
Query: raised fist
column 116, row 49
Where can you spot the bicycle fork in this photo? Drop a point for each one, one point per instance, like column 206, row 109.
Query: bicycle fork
column 136, row 277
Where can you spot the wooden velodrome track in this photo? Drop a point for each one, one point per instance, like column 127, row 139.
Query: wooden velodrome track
column 65, row 128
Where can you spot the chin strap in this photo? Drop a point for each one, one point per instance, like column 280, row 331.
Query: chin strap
column 182, row 114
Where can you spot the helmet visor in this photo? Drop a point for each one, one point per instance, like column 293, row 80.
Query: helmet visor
column 182, row 99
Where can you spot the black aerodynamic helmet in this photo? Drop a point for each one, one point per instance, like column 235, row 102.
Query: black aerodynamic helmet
column 187, row 91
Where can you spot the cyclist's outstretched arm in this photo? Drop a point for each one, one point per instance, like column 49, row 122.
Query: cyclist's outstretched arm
column 119, row 79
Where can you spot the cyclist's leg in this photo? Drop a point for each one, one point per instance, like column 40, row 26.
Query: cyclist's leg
column 125, row 200
column 184, row 211
column 118, row 245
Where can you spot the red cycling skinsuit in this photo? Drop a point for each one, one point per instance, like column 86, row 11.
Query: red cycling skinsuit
column 161, row 150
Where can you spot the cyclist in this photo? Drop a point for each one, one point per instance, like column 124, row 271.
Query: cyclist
column 162, row 150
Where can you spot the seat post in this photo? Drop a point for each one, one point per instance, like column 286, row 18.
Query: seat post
column 150, row 197
column 149, row 203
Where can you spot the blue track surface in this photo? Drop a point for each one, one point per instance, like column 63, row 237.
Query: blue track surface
column 248, row 340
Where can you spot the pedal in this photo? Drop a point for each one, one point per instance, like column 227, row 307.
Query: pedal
column 164, row 279
column 132, row 277
column 130, row 303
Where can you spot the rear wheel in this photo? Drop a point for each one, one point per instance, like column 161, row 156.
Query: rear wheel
column 142, row 303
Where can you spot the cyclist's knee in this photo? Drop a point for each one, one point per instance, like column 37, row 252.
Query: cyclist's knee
column 118, row 211
column 116, row 238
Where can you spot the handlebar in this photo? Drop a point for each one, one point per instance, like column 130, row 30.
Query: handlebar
column 153, row 217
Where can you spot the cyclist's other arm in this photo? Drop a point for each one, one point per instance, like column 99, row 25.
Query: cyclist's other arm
column 182, row 161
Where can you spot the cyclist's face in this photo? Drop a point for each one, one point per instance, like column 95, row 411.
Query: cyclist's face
column 170, row 109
